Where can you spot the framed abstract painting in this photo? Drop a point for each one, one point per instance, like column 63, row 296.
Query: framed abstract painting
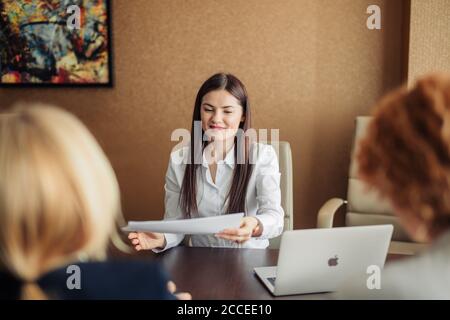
column 55, row 43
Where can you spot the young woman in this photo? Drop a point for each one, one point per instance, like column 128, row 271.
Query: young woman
column 59, row 200
column 221, row 172
column 406, row 157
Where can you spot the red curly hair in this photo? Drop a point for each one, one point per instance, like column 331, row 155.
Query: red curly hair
column 406, row 152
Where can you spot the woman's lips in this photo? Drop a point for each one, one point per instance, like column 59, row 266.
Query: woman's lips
column 216, row 127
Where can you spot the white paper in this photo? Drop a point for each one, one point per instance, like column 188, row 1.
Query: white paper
column 206, row 225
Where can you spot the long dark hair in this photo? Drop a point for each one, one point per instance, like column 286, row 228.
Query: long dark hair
column 242, row 169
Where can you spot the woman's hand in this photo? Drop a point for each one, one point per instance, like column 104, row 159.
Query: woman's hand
column 180, row 295
column 147, row 240
column 250, row 227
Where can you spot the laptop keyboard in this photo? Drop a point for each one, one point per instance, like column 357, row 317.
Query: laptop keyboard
column 272, row 280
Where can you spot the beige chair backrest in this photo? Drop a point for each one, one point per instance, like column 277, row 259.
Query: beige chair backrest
column 364, row 206
column 283, row 150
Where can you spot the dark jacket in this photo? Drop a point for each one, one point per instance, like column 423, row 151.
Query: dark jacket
column 99, row 280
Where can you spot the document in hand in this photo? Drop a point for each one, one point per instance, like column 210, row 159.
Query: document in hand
column 188, row 226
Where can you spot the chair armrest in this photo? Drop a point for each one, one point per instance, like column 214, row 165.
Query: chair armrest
column 406, row 248
column 327, row 211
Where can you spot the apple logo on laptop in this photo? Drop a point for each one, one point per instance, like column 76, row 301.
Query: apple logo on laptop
column 332, row 262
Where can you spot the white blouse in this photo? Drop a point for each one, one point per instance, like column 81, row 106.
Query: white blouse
column 263, row 199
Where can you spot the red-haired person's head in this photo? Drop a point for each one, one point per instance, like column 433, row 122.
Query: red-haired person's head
column 406, row 155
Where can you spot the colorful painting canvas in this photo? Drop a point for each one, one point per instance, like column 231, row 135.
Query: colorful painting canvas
column 48, row 42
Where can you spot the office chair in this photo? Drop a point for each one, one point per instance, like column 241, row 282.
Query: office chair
column 284, row 154
column 365, row 207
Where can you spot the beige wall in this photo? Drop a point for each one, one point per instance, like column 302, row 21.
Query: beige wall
column 429, row 45
column 310, row 67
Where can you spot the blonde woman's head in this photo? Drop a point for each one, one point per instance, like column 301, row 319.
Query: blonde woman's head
column 59, row 197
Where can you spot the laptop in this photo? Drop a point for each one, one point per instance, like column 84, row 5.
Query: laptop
column 319, row 260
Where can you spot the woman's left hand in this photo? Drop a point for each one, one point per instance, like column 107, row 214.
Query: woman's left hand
column 249, row 227
column 179, row 295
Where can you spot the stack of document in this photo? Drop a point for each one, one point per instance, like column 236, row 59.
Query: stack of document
column 206, row 225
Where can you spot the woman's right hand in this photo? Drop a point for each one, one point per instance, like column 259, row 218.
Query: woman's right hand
column 147, row 240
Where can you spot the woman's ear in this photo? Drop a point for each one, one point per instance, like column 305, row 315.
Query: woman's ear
column 242, row 118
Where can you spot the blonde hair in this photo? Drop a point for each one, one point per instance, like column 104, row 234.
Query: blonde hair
column 59, row 197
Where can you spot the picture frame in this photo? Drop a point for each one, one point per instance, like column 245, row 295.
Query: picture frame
column 55, row 43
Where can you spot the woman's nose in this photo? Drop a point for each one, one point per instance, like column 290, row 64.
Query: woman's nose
column 216, row 118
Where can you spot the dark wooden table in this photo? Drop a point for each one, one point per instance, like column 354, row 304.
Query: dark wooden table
column 218, row 273
column 221, row 273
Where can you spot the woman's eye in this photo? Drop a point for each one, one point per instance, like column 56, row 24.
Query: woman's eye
column 228, row 111
column 208, row 110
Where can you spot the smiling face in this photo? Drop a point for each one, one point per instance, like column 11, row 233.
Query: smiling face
column 221, row 114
